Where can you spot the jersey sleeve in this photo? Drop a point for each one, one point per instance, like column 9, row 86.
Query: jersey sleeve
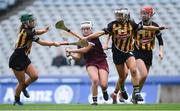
column 108, row 30
column 158, row 35
column 32, row 35
column 136, row 26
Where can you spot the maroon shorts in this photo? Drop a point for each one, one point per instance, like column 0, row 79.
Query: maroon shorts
column 99, row 64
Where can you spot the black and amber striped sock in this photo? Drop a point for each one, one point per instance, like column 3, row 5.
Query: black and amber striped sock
column 136, row 89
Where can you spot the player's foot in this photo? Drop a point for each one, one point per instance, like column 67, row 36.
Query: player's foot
column 121, row 99
column 136, row 97
column 124, row 95
column 134, row 101
column 25, row 92
column 18, row 103
column 94, row 104
column 105, row 96
column 114, row 96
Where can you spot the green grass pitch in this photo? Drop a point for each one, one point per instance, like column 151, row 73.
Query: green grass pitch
column 87, row 107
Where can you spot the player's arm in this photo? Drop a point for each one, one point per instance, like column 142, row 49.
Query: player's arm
column 100, row 33
column 153, row 27
column 81, row 50
column 48, row 43
column 161, row 43
column 42, row 31
column 105, row 45
column 75, row 56
column 94, row 35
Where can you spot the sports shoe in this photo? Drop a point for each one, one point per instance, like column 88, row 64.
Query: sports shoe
column 134, row 101
column 114, row 96
column 105, row 96
column 25, row 92
column 136, row 97
column 121, row 99
column 124, row 95
column 18, row 103
column 94, row 104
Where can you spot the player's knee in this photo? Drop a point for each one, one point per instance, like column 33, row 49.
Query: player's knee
column 133, row 71
column 122, row 78
column 143, row 77
column 104, row 86
column 95, row 81
column 35, row 77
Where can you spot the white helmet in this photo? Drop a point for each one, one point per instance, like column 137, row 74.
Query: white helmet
column 122, row 14
column 86, row 24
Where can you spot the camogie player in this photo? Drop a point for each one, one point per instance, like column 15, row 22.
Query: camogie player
column 145, row 42
column 19, row 60
column 96, row 64
column 139, row 54
column 122, row 31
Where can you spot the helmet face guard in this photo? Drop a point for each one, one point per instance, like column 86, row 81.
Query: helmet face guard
column 86, row 28
column 122, row 14
column 146, row 13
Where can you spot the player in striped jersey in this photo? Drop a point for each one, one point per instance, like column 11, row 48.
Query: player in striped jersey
column 145, row 42
column 19, row 60
column 122, row 31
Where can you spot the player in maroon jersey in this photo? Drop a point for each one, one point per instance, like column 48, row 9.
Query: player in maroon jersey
column 96, row 64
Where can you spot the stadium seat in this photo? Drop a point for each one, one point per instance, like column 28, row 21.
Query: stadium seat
column 100, row 12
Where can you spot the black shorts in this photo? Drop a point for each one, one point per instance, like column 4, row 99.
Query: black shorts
column 120, row 57
column 144, row 55
column 19, row 60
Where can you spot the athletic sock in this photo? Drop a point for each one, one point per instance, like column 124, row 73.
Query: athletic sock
column 122, row 87
column 136, row 89
column 94, row 99
column 17, row 98
column 25, row 86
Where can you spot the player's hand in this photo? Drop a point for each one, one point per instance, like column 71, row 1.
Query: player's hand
column 68, row 53
column 163, row 27
column 161, row 55
column 46, row 29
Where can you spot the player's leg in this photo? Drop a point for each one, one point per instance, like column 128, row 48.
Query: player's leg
column 20, row 76
column 143, row 71
column 122, row 72
column 33, row 76
column 120, row 83
column 103, row 77
column 131, row 64
column 93, row 75
column 116, row 90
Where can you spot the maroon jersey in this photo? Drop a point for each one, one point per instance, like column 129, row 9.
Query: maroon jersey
column 96, row 54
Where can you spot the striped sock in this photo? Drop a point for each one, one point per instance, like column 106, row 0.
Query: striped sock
column 94, row 99
column 136, row 89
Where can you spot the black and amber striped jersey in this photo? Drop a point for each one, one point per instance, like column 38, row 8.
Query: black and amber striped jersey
column 145, row 39
column 25, row 38
column 123, row 34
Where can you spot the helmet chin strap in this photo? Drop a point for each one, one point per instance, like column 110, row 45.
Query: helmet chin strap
column 147, row 22
column 27, row 24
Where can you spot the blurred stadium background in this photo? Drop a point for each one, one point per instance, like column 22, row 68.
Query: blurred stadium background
column 163, row 84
